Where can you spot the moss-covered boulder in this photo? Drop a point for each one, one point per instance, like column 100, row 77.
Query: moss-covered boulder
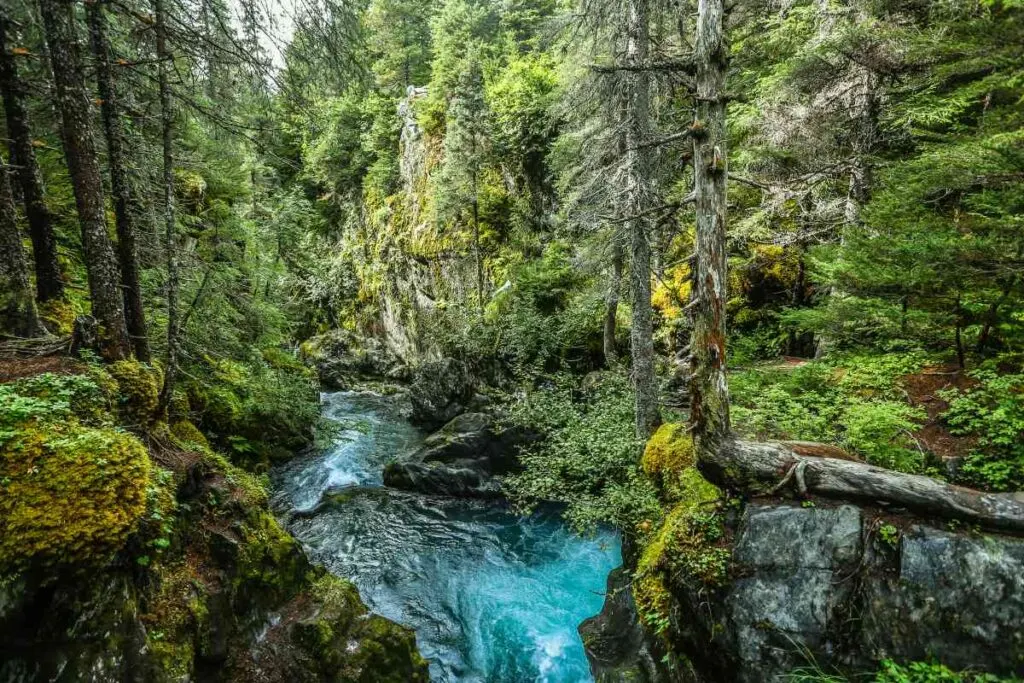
column 138, row 393
column 70, row 495
column 667, row 457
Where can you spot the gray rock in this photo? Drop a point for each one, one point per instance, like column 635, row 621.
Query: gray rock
column 466, row 458
column 440, row 391
column 618, row 648
column 816, row 587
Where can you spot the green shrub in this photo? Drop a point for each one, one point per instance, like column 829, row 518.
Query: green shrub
column 589, row 457
column 993, row 413
column 854, row 402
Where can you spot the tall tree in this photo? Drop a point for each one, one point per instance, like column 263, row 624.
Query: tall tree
column 49, row 284
column 75, row 107
column 120, row 184
column 465, row 148
column 164, row 57
column 709, row 390
column 637, row 204
column 17, row 306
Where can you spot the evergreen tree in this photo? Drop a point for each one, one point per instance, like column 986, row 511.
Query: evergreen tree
column 49, row 284
column 17, row 300
column 75, row 107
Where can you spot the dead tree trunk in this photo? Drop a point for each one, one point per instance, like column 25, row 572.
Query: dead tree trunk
column 120, row 185
column 167, row 126
column 709, row 392
column 769, row 467
column 49, row 285
column 75, row 108
column 638, row 199
column 18, row 314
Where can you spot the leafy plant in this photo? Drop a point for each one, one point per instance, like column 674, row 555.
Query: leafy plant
column 588, row 458
column 993, row 412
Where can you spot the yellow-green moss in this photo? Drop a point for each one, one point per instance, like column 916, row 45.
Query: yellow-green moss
column 69, row 494
column 685, row 548
column 667, row 458
column 188, row 435
column 59, row 315
column 138, row 392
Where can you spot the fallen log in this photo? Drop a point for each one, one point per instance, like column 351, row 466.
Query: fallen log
column 764, row 468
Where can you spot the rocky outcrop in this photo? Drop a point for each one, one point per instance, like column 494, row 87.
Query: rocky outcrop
column 231, row 598
column 342, row 359
column 440, row 391
column 844, row 586
column 619, row 648
column 466, row 458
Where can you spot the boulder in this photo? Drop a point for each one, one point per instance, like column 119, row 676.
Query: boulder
column 342, row 358
column 440, row 390
column 845, row 586
column 466, row 458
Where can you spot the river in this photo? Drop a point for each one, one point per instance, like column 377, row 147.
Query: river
column 493, row 597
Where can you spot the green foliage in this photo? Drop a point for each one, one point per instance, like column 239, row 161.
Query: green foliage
column 992, row 413
column 891, row 672
column 588, row 458
column 851, row 402
column 931, row 672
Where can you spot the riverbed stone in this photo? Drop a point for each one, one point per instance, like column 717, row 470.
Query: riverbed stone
column 466, row 458
column 440, row 390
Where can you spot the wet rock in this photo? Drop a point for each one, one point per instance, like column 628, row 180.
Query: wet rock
column 466, row 458
column 440, row 391
column 342, row 359
column 617, row 646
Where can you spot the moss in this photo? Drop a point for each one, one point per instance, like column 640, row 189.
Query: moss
column 189, row 436
column 138, row 392
column 69, row 494
column 59, row 316
column 669, row 459
column 686, row 548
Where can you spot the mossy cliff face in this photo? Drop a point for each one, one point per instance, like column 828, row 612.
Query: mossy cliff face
column 122, row 562
column 749, row 591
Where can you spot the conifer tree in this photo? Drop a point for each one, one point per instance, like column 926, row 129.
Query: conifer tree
column 75, row 107
column 49, row 284
column 18, row 314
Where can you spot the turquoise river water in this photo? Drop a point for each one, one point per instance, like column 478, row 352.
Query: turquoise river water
column 493, row 597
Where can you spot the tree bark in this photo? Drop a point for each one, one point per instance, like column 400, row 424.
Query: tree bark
column 120, row 185
column 768, row 467
column 49, row 284
column 75, row 108
column 167, row 127
column 709, row 392
column 638, row 200
column 18, row 314
column 611, row 301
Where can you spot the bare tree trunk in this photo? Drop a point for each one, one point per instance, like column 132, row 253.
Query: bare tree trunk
column 709, row 391
column 18, row 314
column 75, row 108
column 167, row 125
column 758, row 468
column 638, row 196
column 611, row 301
column 49, row 284
column 120, row 186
